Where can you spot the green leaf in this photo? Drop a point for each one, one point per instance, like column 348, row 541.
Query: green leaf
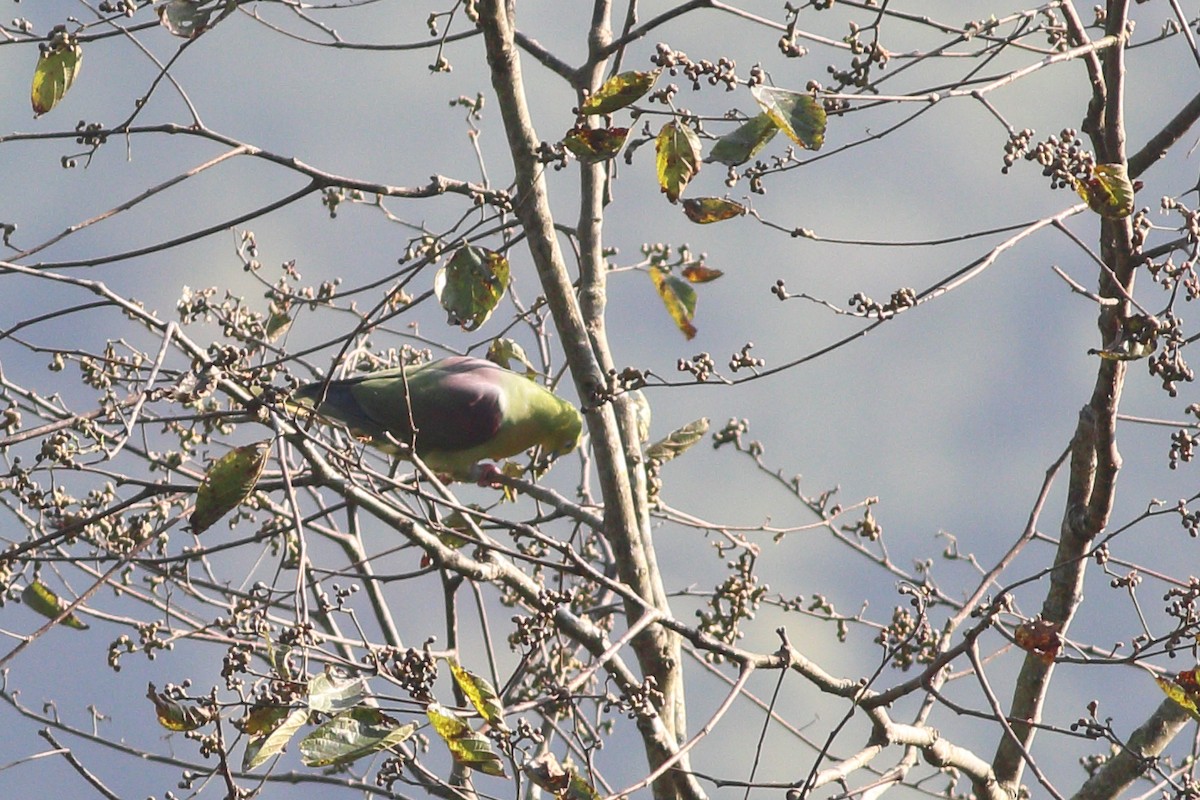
column 741, row 144
column 278, row 657
column 471, row 285
column 329, row 694
column 1109, row 192
column 278, row 320
column 641, row 413
column 591, row 145
column 351, row 735
column 270, row 728
column 545, row 772
column 678, row 158
column 706, row 210
column 469, row 748
column 57, row 67
column 678, row 441
column 190, row 18
column 619, row 91
column 798, row 115
column 446, row 532
column 227, row 483
column 504, row 351
column 175, row 716
column 678, row 297
column 578, row 788
column 480, row 694
column 38, row 597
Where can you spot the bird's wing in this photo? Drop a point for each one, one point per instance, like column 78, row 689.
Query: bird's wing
column 457, row 403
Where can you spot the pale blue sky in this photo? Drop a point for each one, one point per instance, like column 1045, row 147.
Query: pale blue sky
column 950, row 414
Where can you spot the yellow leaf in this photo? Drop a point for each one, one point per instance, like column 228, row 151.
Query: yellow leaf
column 741, row 144
column 38, row 597
column 678, row 158
column 469, row 748
column 678, row 297
column 798, row 115
column 1183, row 689
column 619, row 91
column 480, row 694
column 57, row 68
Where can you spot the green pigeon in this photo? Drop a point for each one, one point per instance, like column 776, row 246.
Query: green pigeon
column 464, row 410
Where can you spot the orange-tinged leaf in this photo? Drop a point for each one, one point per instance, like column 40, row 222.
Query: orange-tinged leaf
column 595, row 144
column 263, row 719
column 678, row 158
column 1041, row 638
column 38, row 597
column 798, row 115
column 57, row 67
column 678, row 297
column 619, row 91
column 564, row 782
column 175, row 716
column 704, row 210
column 698, row 273
column 227, row 483
column 743, row 143
column 471, row 285
column 1109, row 192
column 469, row 748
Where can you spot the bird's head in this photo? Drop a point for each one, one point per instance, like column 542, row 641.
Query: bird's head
column 562, row 427
column 567, row 432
